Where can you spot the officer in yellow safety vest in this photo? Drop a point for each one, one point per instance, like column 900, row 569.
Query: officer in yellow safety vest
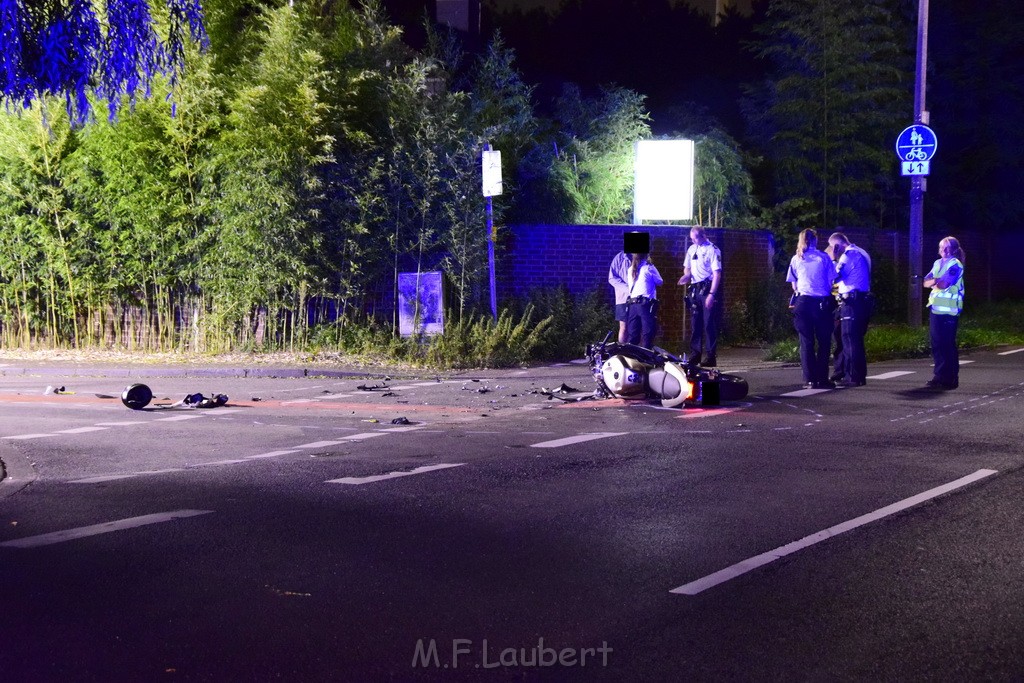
column 946, row 280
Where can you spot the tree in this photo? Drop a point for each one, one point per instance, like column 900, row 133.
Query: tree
column 827, row 114
column 64, row 49
column 594, row 165
column 722, row 186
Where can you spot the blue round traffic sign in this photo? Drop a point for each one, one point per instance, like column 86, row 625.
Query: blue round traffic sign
column 916, row 143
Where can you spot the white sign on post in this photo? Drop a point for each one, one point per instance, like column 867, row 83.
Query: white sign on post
column 491, row 162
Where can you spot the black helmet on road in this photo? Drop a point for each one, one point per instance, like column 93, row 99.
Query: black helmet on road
column 136, row 396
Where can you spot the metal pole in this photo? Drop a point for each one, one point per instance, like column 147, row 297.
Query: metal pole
column 918, row 184
column 490, row 248
column 490, row 256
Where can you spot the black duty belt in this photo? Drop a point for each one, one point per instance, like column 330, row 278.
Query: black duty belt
column 855, row 294
column 638, row 299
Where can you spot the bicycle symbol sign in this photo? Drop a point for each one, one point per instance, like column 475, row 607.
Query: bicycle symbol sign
column 916, row 143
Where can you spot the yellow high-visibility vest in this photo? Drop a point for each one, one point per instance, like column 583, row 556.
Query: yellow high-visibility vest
column 948, row 301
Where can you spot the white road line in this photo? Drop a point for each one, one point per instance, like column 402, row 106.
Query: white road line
column 319, row 444
column 105, row 528
column 805, row 392
column 965, row 362
column 125, row 423
column 891, row 375
column 177, row 418
column 82, row 430
column 750, row 564
column 1008, row 353
column 270, row 454
column 21, row 437
column 364, row 435
column 226, row 411
column 299, row 400
column 102, row 480
column 333, row 397
column 393, row 475
column 215, row 463
column 404, row 428
column 579, row 438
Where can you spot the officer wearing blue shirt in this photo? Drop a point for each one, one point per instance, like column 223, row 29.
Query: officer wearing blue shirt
column 617, row 275
column 811, row 273
column 853, row 276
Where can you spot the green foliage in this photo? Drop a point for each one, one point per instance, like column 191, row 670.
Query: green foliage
column 828, row 112
column 763, row 315
column 475, row 341
column 481, row 341
column 985, row 327
column 594, row 167
column 722, row 187
column 575, row 321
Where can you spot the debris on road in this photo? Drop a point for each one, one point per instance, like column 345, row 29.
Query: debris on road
column 401, row 421
column 138, row 396
column 50, row 390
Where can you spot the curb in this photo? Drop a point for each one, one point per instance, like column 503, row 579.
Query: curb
column 184, row 372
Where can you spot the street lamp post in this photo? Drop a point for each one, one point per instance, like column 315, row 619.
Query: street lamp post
column 918, row 184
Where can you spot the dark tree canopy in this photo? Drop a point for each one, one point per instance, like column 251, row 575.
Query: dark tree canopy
column 74, row 48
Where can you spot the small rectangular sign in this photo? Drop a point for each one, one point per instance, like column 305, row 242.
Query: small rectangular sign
column 491, row 163
column 915, row 167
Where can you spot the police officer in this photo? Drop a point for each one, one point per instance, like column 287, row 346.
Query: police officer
column 642, row 316
column 853, row 276
column 946, row 280
column 811, row 272
column 617, row 275
column 703, row 268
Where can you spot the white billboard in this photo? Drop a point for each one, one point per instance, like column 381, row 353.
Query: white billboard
column 663, row 188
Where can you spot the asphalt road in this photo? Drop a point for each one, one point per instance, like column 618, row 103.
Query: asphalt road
column 297, row 534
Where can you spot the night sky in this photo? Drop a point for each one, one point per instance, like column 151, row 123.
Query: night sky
column 706, row 6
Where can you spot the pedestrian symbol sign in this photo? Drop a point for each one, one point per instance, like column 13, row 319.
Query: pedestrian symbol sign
column 916, row 143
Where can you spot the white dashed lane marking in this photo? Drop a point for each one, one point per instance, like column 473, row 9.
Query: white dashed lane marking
column 891, row 375
column 750, row 564
column 1008, row 353
column 355, row 481
column 97, row 529
column 82, row 430
column 805, row 392
column 579, row 438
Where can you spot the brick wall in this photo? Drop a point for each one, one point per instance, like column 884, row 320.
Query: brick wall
column 578, row 256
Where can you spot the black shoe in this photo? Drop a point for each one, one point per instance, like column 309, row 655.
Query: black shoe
column 827, row 384
column 941, row 386
column 851, row 383
column 712, row 362
column 837, row 376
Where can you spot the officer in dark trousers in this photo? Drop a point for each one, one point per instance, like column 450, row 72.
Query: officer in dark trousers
column 811, row 273
column 703, row 268
column 853, row 277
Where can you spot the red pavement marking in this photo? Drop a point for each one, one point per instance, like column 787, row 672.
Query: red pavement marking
column 325, row 405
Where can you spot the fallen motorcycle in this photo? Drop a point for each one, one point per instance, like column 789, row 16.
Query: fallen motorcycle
column 630, row 371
